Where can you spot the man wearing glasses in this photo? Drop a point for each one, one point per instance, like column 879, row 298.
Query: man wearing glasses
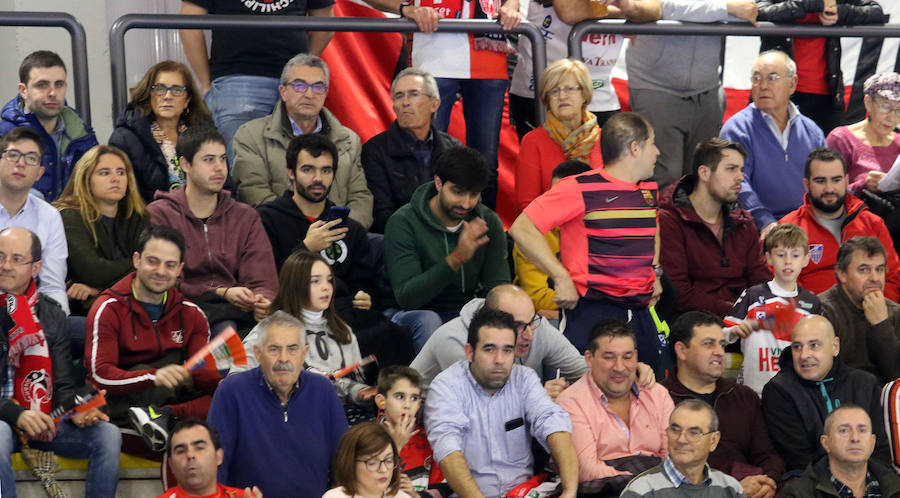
column 21, row 150
column 692, row 433
column 260, row 146
column 41, row 106
column 777, row 139
column 617, row 426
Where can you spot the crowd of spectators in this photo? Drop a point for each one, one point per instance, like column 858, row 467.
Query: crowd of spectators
column 652, row 244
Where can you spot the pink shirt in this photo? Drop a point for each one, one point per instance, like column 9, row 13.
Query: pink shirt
column 862, row 158
column 599, row 435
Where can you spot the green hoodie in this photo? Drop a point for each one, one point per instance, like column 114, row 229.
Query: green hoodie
column 415, row 245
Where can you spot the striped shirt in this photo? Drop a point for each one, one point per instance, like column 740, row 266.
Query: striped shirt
column 664, row 481
column 607, row 234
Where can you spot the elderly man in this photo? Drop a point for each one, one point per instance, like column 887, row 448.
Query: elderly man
column 745, row 450
column 399, row 159
column 813, row 382
column 36, row 372
column 693, row 433
column 847, row 470
column 260, row 146
column 279, row 424
column 777, row 139
column 482, row 413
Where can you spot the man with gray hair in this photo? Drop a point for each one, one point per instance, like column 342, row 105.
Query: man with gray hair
column 260, row 146
column 279, row 424
column 398, row 160
column 777, row 139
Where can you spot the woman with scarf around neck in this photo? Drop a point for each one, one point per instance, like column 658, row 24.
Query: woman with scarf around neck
column 569, row 132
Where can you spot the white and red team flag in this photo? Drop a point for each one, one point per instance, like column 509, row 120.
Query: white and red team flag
column 223, row 352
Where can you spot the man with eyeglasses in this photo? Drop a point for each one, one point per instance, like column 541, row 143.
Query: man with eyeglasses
column 846, row 470
column 745, row 450
column 21, row 150
column 398, row 160
column 41, row 106
column 617, row 425
column 812, row 382
column 777, row 139
column 692, row 434
column 259, row 146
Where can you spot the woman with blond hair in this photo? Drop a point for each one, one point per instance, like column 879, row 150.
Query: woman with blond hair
column 103, row 215
column 163, row 104
column 570, row 131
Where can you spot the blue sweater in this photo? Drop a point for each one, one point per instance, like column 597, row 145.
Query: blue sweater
column 286, row 451
column 773, row 177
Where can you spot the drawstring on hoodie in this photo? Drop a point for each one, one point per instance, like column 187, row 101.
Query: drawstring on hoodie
column 829, row 405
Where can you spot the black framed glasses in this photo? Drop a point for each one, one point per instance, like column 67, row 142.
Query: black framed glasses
column 301, row 86
column 533, row 323
column 373, row 464
column 162, row 90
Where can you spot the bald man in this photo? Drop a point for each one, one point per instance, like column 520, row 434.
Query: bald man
column 811, row 384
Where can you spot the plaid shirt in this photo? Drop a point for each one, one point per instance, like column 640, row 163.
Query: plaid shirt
column 873, row 490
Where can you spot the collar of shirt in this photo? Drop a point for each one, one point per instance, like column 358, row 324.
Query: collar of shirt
column 297, row 131
column 873, row 489
column 678, row 478
column 782, row 136
column 602, row 396
column 267, row 384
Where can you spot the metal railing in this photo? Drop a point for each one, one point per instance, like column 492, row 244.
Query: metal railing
column 79, row 48
column 362, row 24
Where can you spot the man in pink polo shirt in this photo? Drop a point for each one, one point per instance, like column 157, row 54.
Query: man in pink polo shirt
column 608, row 401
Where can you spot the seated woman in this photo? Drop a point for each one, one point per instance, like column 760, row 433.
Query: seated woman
column 367, row 465
column 163, row 104
column 103, row 216
column 871, row 146
column 569, row 132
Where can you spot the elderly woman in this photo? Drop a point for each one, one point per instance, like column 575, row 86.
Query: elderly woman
column 163, row 104
column 569, row 132
column 871, row 146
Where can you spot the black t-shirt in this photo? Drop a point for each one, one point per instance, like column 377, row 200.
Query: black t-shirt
column 258, row 52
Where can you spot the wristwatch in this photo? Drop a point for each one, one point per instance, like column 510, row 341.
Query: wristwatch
column 403, row 4
column 658, row 270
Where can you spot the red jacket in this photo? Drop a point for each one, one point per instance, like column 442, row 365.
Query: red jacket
column 818, row 276
column 120, row 335
column 709, row 275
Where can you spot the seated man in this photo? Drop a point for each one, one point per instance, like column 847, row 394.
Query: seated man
column 399, row 159
column 867, row 322
column 140, row 332
column 711, row 248
column 259, row 146
column 831, row 215
column 693, row 433
column 745, row 450
column 813, row 382
column 847, row 469
column 482, row 413
column 777, row 139
column 279, row 424
column 445, row 247
column 36, row 372
column 617, row 427
column 194, row 457
column 41, row 106
column 229, row 270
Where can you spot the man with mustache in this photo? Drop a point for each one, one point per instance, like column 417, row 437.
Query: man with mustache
column 712, row 250
column 812, row 383
column 279, row 425
column 229, row 270
column 829, row 216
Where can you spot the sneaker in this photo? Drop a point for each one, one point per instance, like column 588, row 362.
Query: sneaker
column 153, row 424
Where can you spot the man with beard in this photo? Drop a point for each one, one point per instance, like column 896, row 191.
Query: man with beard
column 829, row 215
column 229, row 270
column 445, row 247
column 712, row 250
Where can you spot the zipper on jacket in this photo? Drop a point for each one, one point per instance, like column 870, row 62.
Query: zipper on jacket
column 158, row 340
column 284, row 408
column 208, row 250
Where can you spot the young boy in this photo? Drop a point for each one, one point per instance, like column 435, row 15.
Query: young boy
column 765, row 314
column 399, row 398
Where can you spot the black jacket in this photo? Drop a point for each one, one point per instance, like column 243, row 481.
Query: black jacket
column 53, row 323
column 795, row 410
column 132, row 134
column 393, row 173
column 350, row 258
column 850, row 12
column 815, row 482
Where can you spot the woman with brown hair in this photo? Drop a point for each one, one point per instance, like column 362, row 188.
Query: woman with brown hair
column 163, row 104
column 367, row 465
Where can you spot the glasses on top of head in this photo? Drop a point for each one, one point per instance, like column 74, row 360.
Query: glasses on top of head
column 161, row 90
column 301, row 86
column 13, row 156
column 373, row 464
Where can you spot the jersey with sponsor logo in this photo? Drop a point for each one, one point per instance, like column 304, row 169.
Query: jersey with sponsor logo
column 763, row 347
column 607, row 234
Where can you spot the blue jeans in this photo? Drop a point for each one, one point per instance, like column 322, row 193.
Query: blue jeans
column 482, row 102
column 422, row 323
column 235, row 99
column 99, row 443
